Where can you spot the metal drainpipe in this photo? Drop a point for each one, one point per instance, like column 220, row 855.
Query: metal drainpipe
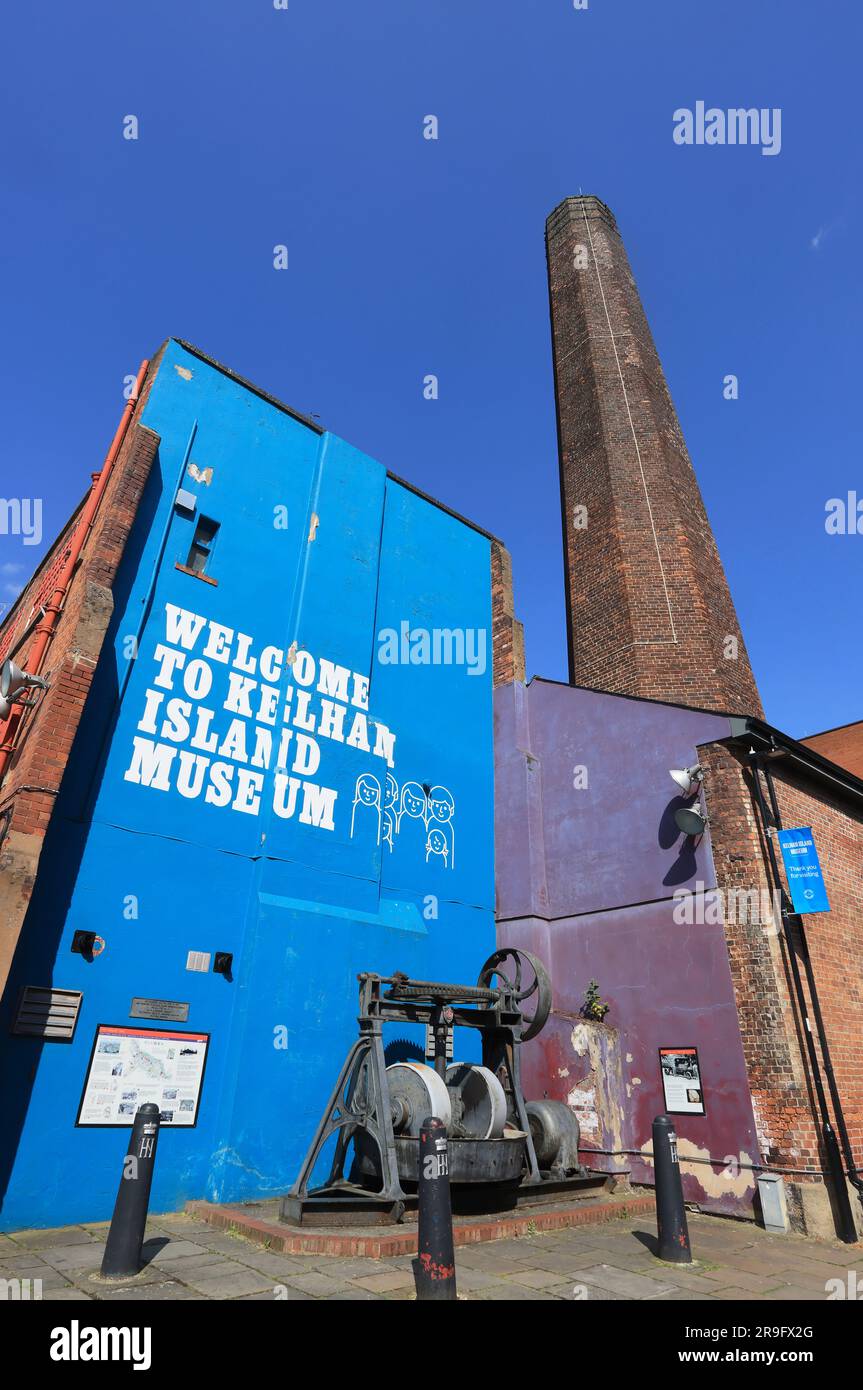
column 147, row 604
column 847, row 1230
column 853, row 1175
column 51, row 614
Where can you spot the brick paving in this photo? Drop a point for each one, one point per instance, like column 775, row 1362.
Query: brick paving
column 189, row 1259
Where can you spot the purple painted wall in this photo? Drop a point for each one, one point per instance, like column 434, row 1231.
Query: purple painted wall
column 586, row 876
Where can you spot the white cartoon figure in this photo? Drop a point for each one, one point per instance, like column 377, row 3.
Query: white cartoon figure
column 414, row 804
column 441, row 812
column 412, row 815
column 391, row 796
column 437, row 844
column 367, row 794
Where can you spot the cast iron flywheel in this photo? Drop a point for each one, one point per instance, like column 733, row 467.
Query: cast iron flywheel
column 526, row 976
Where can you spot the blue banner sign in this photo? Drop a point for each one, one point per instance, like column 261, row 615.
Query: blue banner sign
column 805, row 879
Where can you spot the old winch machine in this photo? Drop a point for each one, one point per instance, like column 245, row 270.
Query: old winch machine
column 502, row 1150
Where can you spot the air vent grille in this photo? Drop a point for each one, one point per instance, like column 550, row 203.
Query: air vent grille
column 47, row 1013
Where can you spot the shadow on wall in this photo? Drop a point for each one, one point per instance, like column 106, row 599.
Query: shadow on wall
column 63, row 848
column 684, row 867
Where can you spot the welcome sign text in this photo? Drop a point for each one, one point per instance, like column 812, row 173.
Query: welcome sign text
column 279, row 705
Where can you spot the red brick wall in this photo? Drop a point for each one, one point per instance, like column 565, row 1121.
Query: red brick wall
column 843, row 746
column 507, row 631
column 648, row 605
column 46, row 735
column 771, row 1029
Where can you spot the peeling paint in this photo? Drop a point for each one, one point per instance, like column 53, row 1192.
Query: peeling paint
column 728, row 1177
column 292, row 654
column 600, row 1045
column 636, row 1081
column 578, row 1097
column 563, row 1071
column 313, row 526
column 183, row 372
column 201, row 475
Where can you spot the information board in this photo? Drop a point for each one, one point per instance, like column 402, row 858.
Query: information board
column 681, row 1081
column 130, row 1067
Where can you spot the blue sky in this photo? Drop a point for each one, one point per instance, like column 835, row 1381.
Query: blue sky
column 259, row 126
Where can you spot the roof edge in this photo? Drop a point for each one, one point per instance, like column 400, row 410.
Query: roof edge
column 770, row 739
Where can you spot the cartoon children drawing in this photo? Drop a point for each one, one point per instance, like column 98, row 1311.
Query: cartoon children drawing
column 437, row 844
column 391, row 796
column 367, row 795
column 413, row 813
column 441, row 809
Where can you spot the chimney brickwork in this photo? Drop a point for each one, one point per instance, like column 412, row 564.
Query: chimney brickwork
column 649, row 612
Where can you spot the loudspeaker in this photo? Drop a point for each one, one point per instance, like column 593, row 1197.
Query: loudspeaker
column 13, row 680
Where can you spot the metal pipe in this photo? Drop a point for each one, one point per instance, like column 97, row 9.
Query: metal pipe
column 51, row 613
column 646, row 1154
column 139, row 632
column 853, row 1175
column 833, row 1159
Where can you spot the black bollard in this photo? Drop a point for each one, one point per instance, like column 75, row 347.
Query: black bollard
column 122, row 1257
column 434, row 1267
column 671, row 1225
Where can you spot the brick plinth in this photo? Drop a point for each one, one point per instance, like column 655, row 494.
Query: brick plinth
column 402, row 1240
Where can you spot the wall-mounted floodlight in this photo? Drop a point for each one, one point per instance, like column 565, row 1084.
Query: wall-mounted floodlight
column 688, row 779
column 5, row 709
column 14, row 681
column 691, row 820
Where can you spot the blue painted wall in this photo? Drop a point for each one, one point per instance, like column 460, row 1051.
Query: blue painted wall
column 303, row 907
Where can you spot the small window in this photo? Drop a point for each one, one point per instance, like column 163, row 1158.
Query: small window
column 202, row 545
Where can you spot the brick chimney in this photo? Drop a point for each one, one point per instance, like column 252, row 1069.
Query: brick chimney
column 649, row 611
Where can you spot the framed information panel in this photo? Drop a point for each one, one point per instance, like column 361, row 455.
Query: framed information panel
column 681, row 1081
column 130, row 1067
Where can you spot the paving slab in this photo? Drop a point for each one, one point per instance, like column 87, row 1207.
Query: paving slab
column 231, row 1284
column 354, row 1295
column 469, row 1280
column 52, row 1236
column 68, row 1295
column 384, row 1283
column 563, row 1261
column 150, row 1293
column 74, row 1257
column 320, row 1285
column 191, row 1259
column 753, row 1283
column 513, row 1293
column 173, row 1250
column 622, row 1281
column 683, row 1296
column 286, row 1264
column 535, row 1278
column 735, row 1295
column 191, row 1264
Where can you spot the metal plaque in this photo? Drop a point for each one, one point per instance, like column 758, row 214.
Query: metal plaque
column 169, row 1009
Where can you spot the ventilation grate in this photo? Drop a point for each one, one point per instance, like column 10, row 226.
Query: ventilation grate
column 47, row 1013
